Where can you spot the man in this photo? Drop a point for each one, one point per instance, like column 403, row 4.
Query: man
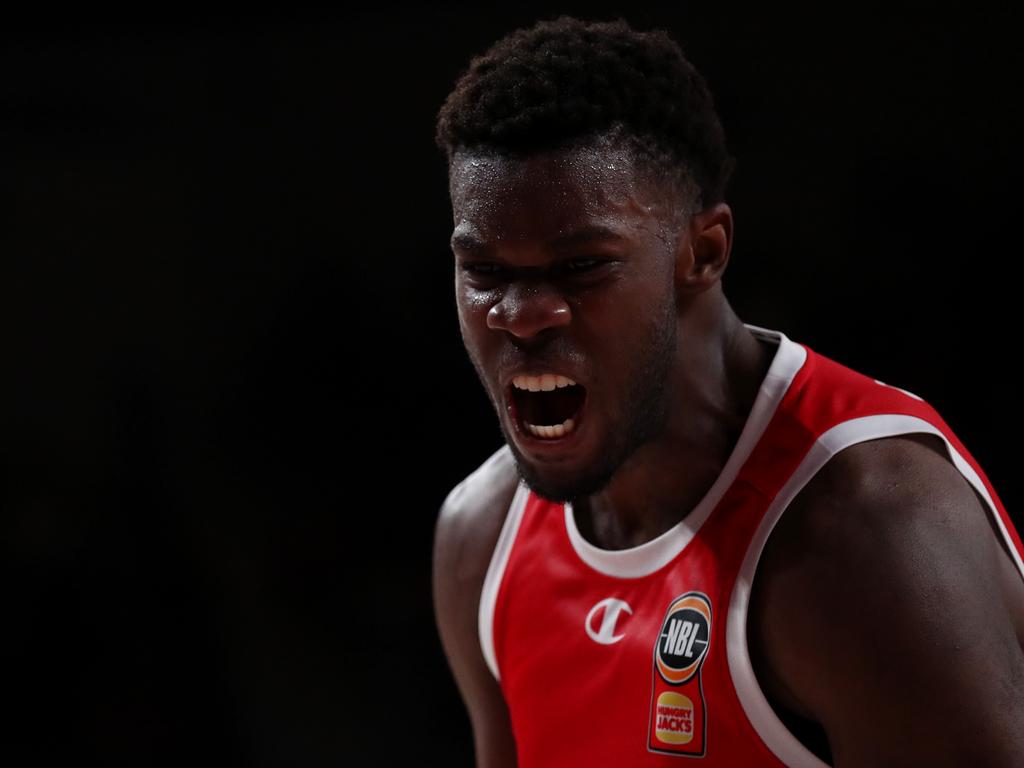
column 618, row 584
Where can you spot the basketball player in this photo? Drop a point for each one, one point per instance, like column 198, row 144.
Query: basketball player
column 702, row 540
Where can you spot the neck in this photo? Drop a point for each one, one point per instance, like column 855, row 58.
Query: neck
column 718, row 372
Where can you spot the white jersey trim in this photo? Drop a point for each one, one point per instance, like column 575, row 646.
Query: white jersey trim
column 762, row 716
column 495, row 572
column 642, row 560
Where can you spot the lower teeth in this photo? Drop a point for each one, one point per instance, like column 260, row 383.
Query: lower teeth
column 550, row 432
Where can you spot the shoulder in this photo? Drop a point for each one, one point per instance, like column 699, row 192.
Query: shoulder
column 465, row 535
column 472, row 515
column 879, row 608
column 884, row 498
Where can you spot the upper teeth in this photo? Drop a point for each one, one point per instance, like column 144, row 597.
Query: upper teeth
column 544, row 383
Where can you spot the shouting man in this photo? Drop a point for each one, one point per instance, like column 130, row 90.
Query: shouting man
column 701, row 539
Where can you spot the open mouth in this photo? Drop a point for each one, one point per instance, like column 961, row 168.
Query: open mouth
column 546, row 407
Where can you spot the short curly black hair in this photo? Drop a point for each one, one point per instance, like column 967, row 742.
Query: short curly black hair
column 566, row 82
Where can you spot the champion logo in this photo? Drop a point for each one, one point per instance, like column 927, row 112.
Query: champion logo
column 610, row 609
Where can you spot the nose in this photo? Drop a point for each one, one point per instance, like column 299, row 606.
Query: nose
column 527, row 308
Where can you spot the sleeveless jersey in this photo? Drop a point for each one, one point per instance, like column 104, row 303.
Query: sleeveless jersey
column 638, row 657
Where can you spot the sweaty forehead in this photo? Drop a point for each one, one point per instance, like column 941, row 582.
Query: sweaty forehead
column 515, row 197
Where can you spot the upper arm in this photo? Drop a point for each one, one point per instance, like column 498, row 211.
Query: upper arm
column 885, row 618
column 467, row 529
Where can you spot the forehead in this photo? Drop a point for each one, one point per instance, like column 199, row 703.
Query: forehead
column 548, row 193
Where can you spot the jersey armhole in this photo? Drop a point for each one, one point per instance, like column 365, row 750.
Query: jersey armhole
column 495, row 573
column 779, row 739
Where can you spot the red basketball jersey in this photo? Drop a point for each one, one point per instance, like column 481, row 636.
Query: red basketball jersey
column 638, row 657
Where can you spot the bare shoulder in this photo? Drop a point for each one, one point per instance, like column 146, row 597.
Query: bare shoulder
column 467, row 530
column 472, row 515
column 879, row 596
column 889, row 495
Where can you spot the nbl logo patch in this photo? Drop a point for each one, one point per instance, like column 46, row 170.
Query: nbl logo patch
column 677, row 720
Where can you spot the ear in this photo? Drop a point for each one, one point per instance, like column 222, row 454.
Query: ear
column 703, row 253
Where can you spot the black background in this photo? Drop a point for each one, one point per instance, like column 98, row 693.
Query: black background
column 234, row 391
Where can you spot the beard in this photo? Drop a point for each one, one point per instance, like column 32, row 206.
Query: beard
column 645, row 409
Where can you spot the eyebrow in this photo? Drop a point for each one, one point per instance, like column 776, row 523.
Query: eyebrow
column 471, row 244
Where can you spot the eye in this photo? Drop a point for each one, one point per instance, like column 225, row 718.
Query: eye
column 582, row 265
column 482, row 270
column 489, row 271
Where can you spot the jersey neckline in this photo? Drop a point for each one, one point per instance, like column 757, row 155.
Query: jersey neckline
column 644, row 559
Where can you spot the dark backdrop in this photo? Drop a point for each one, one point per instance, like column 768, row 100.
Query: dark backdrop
column 234, row 392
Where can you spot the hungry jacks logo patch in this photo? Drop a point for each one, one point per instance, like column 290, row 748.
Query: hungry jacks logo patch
column 677, row 718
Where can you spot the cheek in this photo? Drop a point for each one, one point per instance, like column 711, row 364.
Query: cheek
column 473, row 306
column 474, row 302
column 473, row 322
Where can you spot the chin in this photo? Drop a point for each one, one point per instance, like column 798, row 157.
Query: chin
column 558, row 485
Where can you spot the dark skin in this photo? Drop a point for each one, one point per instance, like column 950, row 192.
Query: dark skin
column 886, row 523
